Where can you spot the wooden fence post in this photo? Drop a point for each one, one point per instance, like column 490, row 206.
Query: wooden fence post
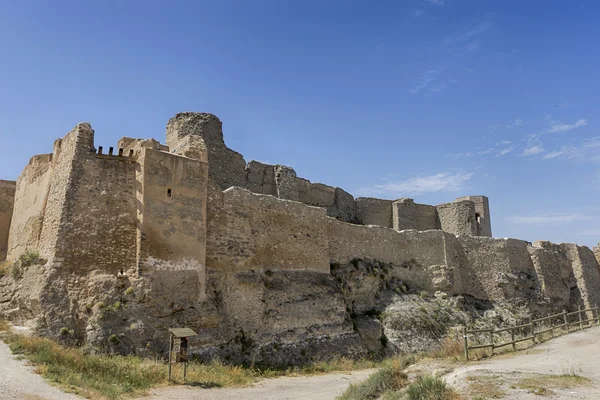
column 466, row 343
column 532, row 321
column 580, row 318
column 566, row 320
column 512, row 339
column 492, row 338
column 597, row 318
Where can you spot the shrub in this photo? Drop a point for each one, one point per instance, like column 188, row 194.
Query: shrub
column 389, row 378
column 113, row 339
column 16, row 271
column 66, row 331
column 30, row 257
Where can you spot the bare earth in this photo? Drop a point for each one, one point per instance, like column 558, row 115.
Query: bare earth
column 19, row 382
column 576, row 353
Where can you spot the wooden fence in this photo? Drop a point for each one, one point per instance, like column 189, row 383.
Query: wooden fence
column 531, row 330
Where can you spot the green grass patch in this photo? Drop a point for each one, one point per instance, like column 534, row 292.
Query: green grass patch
column 430, row 388
column 389, row 379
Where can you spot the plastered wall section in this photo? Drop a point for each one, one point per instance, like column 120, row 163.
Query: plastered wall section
column 497, row 269
column 171, row 213
column 7, row 197
column 31, row 196
column 458, row 217
column 249, row 231
column 102, row 219
column 406, row 214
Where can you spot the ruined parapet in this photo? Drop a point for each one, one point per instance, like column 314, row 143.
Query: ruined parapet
column 7, row 198
column 482, row 214
column 596, row 251
column 344, row 206
column 261, row 178
column 227, row 167
column 372, row 211
column 458, row 217
column 406, row 214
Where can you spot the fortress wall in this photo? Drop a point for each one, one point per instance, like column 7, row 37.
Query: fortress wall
column 458, row 217
column 102, row 221
column 428, row 260
column 7, row 198
column 596, row 251
column 406, row 214
column 248, row 231
column 497, row 269
column 482, row 213
column 172, row 214
column 344, row 206
column 30, row 197
column 555, row 274
column 586, row 271
column 372, row 211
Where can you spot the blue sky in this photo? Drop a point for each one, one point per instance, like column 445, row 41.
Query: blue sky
column 430, row 99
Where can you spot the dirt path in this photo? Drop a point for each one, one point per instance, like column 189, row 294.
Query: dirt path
column 19, row 382
column 320, row 387
column 539, row 369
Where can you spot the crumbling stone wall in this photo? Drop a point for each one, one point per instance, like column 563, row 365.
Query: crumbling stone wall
column 7, row 196
column 458, row 217
column 586, row 271
column 555, row 274
column 497, row 269
column 372, row 211
column 406, row 214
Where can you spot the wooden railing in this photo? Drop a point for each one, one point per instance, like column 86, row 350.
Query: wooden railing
column 528, row 331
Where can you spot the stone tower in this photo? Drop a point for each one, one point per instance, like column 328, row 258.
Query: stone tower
column 482, row 214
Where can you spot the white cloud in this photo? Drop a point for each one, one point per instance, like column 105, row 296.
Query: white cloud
column 440, row 182
column 518, row 122
column 548, row 219
column 427, row 81
column 436, row 2
column 473, row 46
column 417, row 13
column 533, row 150
column 587, row 151
column 505, row 151
column 560, row 127
column 469, row 33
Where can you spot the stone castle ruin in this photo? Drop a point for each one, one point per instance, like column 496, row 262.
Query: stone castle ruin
column 268, row 267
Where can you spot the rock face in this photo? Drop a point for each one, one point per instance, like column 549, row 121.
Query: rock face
column 110, row 250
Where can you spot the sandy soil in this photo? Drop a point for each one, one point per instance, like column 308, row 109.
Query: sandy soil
column 319, row 387
column 576, row 353
column 18, row 381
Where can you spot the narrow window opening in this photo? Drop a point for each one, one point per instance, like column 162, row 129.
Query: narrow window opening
column 169, row 192
column 478, row 217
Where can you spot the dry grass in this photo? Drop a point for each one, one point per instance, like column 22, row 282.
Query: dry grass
column 485, row 386
column 114, row 377
column 541, row 384
column 385, row 382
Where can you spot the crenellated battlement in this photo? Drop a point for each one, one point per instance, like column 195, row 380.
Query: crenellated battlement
column 121, row 154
